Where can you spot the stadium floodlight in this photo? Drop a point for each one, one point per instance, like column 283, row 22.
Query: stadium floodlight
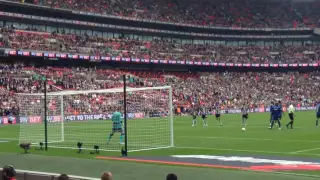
column 85, row 116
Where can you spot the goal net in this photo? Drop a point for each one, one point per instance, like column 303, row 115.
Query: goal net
column 85, row 116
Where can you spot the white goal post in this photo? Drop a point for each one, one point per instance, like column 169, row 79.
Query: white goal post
column 85, row 116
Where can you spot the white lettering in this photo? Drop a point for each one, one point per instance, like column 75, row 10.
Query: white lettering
column 247, row 159
column 97, row 116
column 80, row 117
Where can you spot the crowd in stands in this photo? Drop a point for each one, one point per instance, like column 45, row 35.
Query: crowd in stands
column 226, row 89
column 233, row 13
column 156, row 49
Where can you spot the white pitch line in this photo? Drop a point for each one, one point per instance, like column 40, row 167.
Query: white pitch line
column 219, row 137
column 222, row 149
column 306, row 150
column 251, row 139
column 235, row 126
column 9, row 139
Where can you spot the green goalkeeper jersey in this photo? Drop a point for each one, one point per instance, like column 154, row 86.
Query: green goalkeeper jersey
column 116, row 119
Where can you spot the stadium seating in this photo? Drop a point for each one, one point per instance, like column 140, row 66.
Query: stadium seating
column 228, row 89
column 157, row 49
column 247, row 13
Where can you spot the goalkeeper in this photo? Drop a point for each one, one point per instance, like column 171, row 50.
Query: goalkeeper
column 116, row 126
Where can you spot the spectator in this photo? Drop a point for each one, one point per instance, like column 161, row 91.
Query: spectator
column 231, row 13
column 63, row 177
column 162, row 49
column 227, row 89
column 106, row 176
column 172, row 176
column 8, row 173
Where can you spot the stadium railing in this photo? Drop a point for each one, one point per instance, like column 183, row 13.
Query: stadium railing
column 35, row 175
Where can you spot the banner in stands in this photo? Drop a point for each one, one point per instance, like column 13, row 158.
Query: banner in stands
column 155, row 114
column 45, row 54
column 30, row 119
column 260, row 110
column 54, row 118
column 86, row 117
column 297, row 109
column 4, row 120
column 81, row 117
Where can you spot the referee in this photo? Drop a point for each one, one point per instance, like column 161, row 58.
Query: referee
column 291, row 116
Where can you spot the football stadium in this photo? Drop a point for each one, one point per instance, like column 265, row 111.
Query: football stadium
column 168, row 89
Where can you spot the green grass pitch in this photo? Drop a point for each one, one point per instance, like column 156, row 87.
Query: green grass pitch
column 143, row 134
column 228, row 139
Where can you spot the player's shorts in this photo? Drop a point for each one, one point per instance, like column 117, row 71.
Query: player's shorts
column 204, row 116
column 318, row 115
column 275, row 118
column 291, row 116
column 217, row 115
column 194, row 116
column 245, row 116
column 115, row 129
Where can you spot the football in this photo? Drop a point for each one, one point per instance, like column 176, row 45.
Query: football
column 243, row 129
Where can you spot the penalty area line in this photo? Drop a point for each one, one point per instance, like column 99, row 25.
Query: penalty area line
column 9, row 139
column 305, row 150
column 249, row 139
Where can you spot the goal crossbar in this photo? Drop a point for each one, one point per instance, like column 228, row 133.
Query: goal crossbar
column 114, row 90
